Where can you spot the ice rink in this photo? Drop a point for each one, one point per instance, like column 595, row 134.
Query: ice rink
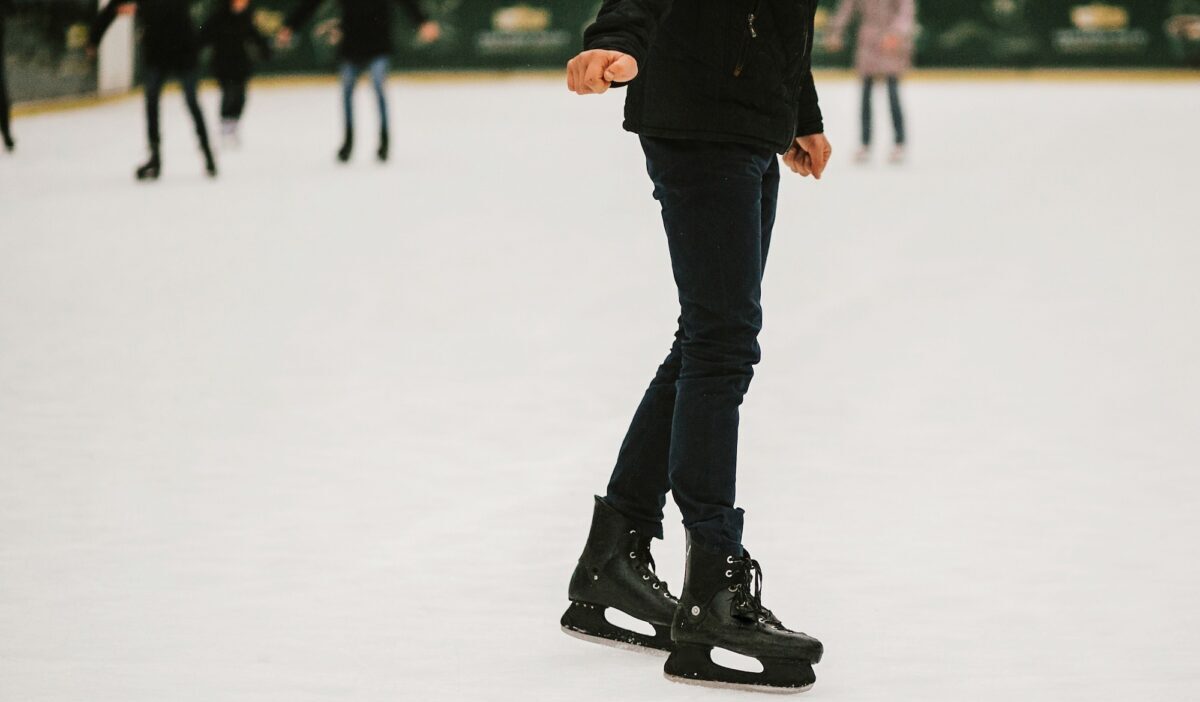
column 315, row 432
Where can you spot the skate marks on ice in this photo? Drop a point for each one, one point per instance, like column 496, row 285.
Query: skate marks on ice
column 609, row 626
column 728, row 670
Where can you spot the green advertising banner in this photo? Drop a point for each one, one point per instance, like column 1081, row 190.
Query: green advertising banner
column 951, row 33
column 46, row 38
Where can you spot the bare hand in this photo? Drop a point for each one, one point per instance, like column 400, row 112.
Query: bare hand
column 890, row 43
column 809, row 155
column 429, row 32
column 592, row 72
column 90, row 51
column 283, row 38
column 834, row 43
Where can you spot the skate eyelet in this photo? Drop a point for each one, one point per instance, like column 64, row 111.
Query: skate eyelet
column 732, row 588
column 729, row 573
column 655, row 586
column 633, row 531
column 729, row 559
column 695, row 611
column 645, row 577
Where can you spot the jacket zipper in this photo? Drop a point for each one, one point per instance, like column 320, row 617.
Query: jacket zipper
column 751, row 33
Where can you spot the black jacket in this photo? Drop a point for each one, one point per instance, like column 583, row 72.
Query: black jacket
column 169, row 38
column 232, row 35
column 366, row 25
column 720, row 70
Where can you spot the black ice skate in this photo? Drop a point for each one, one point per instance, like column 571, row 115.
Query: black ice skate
column 616, row 571
column 343, row 154
column 721, row 606
column 151, row 169
column 383, row 145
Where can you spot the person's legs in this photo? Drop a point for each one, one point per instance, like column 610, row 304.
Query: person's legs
column 233, row 98
column 868, row 85
column 152, row 83
column 893, row 88
column 5, row 106
column 639, row 483
column 379, row 71
column 188, row 80
column 349, row 76
column 712, row 198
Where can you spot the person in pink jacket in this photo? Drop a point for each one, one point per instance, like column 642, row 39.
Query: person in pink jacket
column 885, row 50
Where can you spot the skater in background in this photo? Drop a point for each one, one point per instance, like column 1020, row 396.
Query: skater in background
column 170, row 46
column 5, row 106
column 231, row 33
column 366, row 45
column 885, row 50
column 711, row 131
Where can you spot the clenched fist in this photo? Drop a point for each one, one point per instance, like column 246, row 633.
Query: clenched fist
column 592, row 72
column 808, row 155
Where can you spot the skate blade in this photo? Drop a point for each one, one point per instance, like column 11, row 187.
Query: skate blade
column 587, row 622
column 744, row 687
column 692, row 664
column 612, row 643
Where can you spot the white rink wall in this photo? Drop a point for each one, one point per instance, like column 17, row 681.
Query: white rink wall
column 312, row 432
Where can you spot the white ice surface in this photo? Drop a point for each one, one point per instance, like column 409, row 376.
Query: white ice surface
column 312, row 432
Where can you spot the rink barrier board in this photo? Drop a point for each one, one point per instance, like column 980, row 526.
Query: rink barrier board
column 275, row 82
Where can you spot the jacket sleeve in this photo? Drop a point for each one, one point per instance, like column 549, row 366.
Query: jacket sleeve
column 302, row 14
column 627, row 26
column 809, row 120
column 415, row 13
column 843, row 15
column 104, row 20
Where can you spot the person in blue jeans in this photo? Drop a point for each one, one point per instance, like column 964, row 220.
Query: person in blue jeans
column 716, row 91
column 366, row 46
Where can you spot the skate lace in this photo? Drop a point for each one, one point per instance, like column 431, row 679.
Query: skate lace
column 747, row 590
column 641, row 552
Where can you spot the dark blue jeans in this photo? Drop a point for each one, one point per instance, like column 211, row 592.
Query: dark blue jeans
column 718, row 208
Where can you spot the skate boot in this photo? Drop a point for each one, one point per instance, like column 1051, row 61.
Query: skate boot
column 616, row 571
column 898, row 155
column 151, row 169
column 343, row 154
column 9, row 144
column 383, row 145
column 863, row 155
column 721, row 606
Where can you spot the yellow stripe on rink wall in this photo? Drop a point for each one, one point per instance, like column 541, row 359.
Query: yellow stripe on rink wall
column 924, row 76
